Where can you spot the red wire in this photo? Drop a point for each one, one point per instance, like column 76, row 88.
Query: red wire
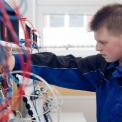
column 27, row 68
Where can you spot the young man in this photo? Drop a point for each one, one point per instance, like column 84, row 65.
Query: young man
column 100, row 73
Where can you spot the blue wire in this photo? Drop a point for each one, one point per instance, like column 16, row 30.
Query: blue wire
column 13, row 17
column 35, row 103
column 2, row 54
column 25, row 8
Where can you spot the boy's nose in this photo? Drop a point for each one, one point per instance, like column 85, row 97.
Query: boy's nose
column 98, row 47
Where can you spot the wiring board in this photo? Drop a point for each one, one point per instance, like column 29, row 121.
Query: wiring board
column 34, row 100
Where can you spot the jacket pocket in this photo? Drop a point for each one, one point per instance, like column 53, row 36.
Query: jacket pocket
column 118, row 108
column 117, row 117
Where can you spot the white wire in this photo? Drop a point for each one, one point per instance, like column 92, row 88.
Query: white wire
column 59, row 97
column 58, row 94
column 41, row 79
column 8, row 52
column 41, row 87
column 38, row 77
column 53, row 107
column 19, row 113
column 10, row 48
column 34, row 96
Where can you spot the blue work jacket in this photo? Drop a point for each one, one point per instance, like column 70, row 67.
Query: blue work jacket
column 91, row 73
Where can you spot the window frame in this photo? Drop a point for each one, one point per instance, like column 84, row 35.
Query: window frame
column 65, row 7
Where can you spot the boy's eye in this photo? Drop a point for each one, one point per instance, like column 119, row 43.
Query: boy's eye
column 103, row 42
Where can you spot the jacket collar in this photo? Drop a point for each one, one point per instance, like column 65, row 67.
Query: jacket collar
column 117, row 69
column 112, row 65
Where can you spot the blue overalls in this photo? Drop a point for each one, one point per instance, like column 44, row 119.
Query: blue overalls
column 109, row 96
column 91, row 73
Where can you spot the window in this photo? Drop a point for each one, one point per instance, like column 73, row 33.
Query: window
column 56, row 20
column 76, row 20
column 67, row 30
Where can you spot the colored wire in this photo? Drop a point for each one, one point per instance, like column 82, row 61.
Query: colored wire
column 41, row 79
column 19, row 113
column 14, row 17
column 34, row 103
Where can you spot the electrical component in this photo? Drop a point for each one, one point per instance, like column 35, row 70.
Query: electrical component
column 31, row 99
column 46, row 115
column 5, row 109
column 36, row 98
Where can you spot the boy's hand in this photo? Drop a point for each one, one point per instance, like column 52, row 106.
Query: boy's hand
column 11, row 63
column 1, row 68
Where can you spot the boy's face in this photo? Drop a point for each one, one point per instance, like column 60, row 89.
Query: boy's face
column 109, row 45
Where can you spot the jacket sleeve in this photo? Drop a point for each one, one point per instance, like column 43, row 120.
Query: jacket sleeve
column 65, row 71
